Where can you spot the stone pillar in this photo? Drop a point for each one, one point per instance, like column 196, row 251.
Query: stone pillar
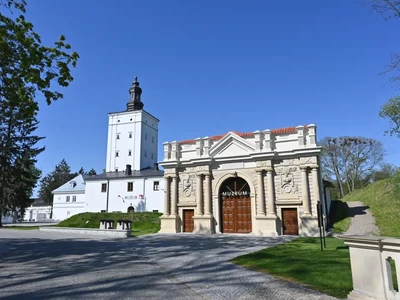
column 199, row 195
column 260, row 194
column 305, row 191
column 174, row 201
column 271, row 209
column 167, row 196
column 207, row 202
column 315, row 183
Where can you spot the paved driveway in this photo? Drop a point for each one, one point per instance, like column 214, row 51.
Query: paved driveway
column 42, row 265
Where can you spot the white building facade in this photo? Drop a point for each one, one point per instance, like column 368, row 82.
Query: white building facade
column 263, row 182
column 132, row 180
column 69, row 199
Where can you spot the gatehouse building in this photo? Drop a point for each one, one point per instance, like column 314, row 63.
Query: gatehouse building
column 263, row 182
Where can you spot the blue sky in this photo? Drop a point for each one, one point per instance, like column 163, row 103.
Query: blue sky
column 208, row 67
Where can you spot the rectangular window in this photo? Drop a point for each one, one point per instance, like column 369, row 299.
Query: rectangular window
column 129, row 152
column 145, row 154
column 117, row 136
column 104, row 187
column 152, row 156
column 68, row 198
column 73, row 198
column 130, row 186
column 156, row 185
column 116, row 153
column 152, row 139
column 116, row 169
column 130, row 135
column 145, row 136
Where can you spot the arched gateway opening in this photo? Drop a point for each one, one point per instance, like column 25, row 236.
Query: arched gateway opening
column 235, row 204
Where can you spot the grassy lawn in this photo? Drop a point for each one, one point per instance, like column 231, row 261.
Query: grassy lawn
column 142, row 222
column 302, row 261
column 383, row 199
column 342, row 220
column 21, row 227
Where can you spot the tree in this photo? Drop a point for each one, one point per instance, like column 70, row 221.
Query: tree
column 385, row 171
column 18, row 175
column 391, row 111
column 27, row 68
column 92, row 172
column 60, row 175
column 350, row 160
column 26, row 63
column 83, row 172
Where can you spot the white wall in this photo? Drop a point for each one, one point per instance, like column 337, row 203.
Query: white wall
column 149, row 141
column 119, row 199
column 63, row 210
column 31, row 213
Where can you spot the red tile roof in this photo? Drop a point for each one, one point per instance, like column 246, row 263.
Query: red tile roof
column 245, row 134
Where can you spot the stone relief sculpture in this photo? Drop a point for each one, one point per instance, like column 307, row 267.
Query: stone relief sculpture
column 287, row 184
column 187, row 186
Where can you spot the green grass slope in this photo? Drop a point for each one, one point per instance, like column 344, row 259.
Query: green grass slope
column 383, row 199
column 142, row 222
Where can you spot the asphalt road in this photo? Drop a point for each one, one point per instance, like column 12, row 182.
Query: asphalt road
column 44, row 265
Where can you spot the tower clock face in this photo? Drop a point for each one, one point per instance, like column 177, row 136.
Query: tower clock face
column 235, row 187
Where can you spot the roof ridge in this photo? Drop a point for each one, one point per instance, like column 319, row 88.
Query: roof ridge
column 291, row 129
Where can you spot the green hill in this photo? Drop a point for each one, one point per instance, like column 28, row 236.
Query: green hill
column 383, row 199
column 142, row 222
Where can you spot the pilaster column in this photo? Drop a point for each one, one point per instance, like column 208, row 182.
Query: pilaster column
column 207, row 202
column 315, row 183
column 199, row 195
column 305, row 191
column 174, row 201
column 167, row 196
column 260, row 194
column 271, row 209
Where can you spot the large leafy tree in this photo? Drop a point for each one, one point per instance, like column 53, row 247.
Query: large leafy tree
column 27, row 68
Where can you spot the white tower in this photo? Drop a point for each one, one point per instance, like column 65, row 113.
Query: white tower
column 132, row 135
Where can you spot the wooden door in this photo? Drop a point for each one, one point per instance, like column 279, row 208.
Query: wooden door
column 188, row 222
column 243, row 215
column 290, row 221
column 236, row 215
column 228, row 215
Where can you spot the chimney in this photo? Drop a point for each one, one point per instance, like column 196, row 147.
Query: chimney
column 128, row 170
column 155, row 168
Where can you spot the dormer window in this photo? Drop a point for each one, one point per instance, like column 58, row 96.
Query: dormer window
column 72, row 184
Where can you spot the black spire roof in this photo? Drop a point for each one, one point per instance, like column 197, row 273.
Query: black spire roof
column 135, row 93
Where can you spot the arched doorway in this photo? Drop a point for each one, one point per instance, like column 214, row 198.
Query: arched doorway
column 235, row 204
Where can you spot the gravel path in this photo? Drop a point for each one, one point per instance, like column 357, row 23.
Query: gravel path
column 43, row 265
column 362, row 222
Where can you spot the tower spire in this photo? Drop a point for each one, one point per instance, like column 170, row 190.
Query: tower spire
column 135, row 94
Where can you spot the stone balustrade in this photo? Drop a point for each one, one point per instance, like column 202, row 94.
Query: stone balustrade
column 371, row 267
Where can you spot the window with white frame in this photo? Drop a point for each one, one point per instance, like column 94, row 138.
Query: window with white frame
column 129, row 152
column 130, row 135
column 156, row 185
column 117, row 136
column 73, row 198
column 104, row 187
column 130, row 187
column 68, row 199
column 116, row 153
